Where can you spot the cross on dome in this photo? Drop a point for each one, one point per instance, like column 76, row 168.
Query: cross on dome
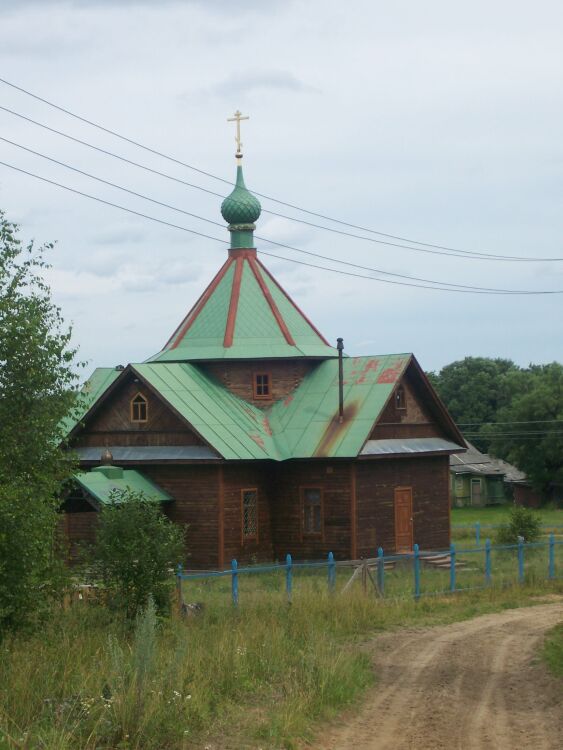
column 237, row 118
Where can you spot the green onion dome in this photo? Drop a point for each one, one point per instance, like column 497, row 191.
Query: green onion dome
column 240, row 207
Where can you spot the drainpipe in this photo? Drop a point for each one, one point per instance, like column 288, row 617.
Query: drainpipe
column 340, row 348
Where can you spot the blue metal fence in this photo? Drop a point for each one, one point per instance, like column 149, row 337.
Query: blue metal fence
column 378, row 564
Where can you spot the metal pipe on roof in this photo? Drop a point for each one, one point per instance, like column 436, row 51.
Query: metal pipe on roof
column 340, row 348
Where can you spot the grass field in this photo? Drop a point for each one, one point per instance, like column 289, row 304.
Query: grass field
column 553, row 651
column 259, row 677
column 499, row 514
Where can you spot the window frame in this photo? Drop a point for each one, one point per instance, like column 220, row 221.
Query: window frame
column 400, row 398
column 255, row 537
column 255, row 394
column 312, row 534
column 132, row 405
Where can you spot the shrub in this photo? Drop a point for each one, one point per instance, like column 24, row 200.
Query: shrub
column 136, row 545
column 522, row 522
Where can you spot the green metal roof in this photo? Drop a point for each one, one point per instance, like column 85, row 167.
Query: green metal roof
column 264, row 322
column 303, row 425
column 103, row 481
column 306, row 423
column 233, row 427
column 98, row 382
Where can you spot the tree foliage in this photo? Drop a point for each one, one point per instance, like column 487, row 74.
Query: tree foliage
column 513, row 413
column 37, row 385
column 522, row 522
column 474, row 389
column 532, row 439
column 136, row 546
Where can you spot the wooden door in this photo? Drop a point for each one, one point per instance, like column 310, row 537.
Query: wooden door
column 476, row 495
column 403, row 519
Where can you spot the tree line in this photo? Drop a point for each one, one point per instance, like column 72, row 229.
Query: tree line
column 514, row 413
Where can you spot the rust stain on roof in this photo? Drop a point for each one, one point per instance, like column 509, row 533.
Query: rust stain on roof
column 257, row 439
column 287, row 400
column 391, row 374
column 266, row 426
column 335, row 429
column 370, row 366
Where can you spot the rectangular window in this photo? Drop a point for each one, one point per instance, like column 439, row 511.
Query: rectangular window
column 400, row 401
column 262, row 385
column 249, row 500
column 312, row 510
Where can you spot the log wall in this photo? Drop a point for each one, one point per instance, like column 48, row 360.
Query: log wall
column 376, row 482
column 238, row 377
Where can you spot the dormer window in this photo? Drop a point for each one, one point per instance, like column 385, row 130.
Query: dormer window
column 139, row 409
column 400, row 401
column 262, row 385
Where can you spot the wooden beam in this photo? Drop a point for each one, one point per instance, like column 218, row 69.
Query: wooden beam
column 221, row 521
column 353, row 513
column 233, row 305
column 273, row 307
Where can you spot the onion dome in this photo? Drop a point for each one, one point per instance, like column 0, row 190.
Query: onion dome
column 241, row 209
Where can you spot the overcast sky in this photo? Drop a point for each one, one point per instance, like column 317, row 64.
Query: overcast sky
column 436, row 121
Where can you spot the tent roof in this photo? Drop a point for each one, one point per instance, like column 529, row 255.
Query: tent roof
column 244, row 314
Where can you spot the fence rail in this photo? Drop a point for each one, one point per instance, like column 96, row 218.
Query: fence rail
column 408, row 572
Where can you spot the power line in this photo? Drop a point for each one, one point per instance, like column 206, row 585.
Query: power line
column 279, row 244
column 477, row 290
column 456, row 254
column 457, row 251
column 527, row 421
column 263, row 252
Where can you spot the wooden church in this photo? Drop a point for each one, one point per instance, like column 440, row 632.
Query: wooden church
column 252, row 429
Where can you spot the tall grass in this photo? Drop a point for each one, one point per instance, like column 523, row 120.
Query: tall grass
column 258, row 677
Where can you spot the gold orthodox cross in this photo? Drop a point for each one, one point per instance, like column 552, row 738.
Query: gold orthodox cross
column 237, row 118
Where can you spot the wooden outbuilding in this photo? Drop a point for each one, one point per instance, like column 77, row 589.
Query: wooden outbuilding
column 261, row 438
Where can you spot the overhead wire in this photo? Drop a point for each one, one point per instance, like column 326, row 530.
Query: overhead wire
column 274, row 242
column 465, row 255
column 450, row 250
column 263, row 252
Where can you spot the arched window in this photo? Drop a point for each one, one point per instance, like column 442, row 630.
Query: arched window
column 139, row 408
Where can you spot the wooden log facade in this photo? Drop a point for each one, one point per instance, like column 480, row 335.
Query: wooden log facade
column 357, row 496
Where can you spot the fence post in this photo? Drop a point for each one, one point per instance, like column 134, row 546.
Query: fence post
column 288, row 577
column 520, row 558
column 478, row 533
column 416, row 571
column 179, row 571
column 487, row 561
column 452, row 567
column 551, row 567
column 331, row 572
column 234, row 582
column 380, row 571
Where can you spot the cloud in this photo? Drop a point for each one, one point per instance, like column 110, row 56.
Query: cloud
column 268, row 80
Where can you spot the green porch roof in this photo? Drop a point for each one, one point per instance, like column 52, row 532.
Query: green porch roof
column 102, row 481
column 303, row 425
column 244, row 314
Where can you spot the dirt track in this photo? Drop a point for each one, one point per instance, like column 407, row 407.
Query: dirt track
column 471, row 685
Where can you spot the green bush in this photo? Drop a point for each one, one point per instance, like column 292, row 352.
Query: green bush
column 522, row 522
column 136, row 546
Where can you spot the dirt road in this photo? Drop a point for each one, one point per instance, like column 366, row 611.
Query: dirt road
column 471, row 685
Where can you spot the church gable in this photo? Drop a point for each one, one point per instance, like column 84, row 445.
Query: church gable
column 414, row 411
column 133, row 414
